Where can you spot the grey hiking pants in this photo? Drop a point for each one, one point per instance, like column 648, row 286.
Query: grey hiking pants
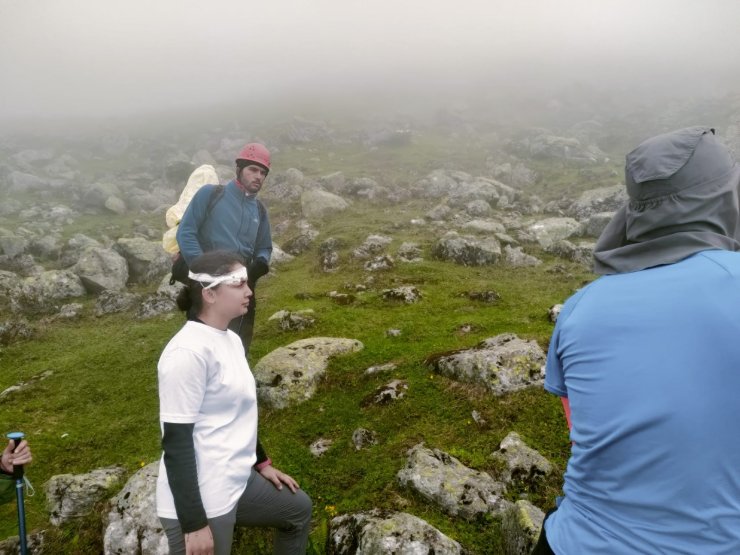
column 261, row 504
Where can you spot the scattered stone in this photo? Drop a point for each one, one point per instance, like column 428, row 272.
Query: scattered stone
column 514, row 256
column 380, row 263
column 382, row 532
column 521, row 463
column 279, row 256
column 478, row 419
column 489, row 296
column 13, row 331
column 407, row 294
column 485, row 226
column 362, row 438
column 502, row 364
column 551, row 230
column 386, row 394
column 317, row 204
column 34, row 541
column 71, row 496
column 374, row 245
column 596, row 223
column 70, row 311
column 132, row 525
column 467, row 250
column 38, row 292
column 101, row 269
column 147, row 260
column 153, row 305
column 341, row 298
column 301, row 242
column 554, row 312
column 581, row 253
column 409, row 252
column 293, row 321
column 521, row 526
column 320, row 446
column 605, row 199
column 380, row 368
column 455, row 488
column 289, row 375
column 393, row 332
column 20, row 386
column 111, row 302
column 328, row 255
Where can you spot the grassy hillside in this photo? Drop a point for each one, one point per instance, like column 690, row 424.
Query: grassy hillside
column 99, row 407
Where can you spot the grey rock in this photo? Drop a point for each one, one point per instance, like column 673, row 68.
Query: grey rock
column 39, row 292
column 551, row 230
column 485, row 226
column 115, row 205
column 372, row 246
column 132, row 525
column 439, row 213
column 289, row 375
column 100, row 269
column 111, row 302
column 320, row 446
column 581, row 253
column 147, row 260
column 317, row 204
column 34, row 542
column 380, row 368
column 71, row 496
column 46, row 247
column 279, row 256
column 596, row 223
column 393, row 332
column 70, row 311
column 13, row 245
column 379, row 264
column 293, row 321
column 467, row 250
column 409, row 252
column 301, row 242
column 394, row 390
column 155, row 304
column 13, row 331
column 520, row 462
column 363, row 438
column 406, row 293
column 378, row 532
column 20, row 182
column 489, row 296
column 604, row 199
column 21, row 386
column 455, row 488
column 478, row 208
column 74, row 248
column 554, row 312
column 514, row 256
column 521, row 526
column 502, row 364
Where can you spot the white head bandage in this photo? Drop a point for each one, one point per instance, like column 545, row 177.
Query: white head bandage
column 234, row 278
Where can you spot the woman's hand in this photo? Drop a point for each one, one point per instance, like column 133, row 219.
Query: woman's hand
column 199, row 542
column 21, row 456
column 279, row 478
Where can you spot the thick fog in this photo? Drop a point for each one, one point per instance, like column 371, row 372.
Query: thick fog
column 102, row 59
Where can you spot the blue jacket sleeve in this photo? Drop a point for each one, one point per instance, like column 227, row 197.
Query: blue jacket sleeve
column 187, row 231
column 263, row 243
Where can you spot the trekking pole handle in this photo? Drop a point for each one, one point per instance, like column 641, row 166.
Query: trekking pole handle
column 16, row 438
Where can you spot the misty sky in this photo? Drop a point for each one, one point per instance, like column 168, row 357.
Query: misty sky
column 105, row 57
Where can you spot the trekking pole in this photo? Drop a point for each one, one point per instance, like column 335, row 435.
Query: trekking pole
column 17, row 437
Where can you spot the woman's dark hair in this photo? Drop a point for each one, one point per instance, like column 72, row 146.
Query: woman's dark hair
column 215, row 263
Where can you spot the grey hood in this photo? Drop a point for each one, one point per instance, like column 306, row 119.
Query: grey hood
column 683, row 198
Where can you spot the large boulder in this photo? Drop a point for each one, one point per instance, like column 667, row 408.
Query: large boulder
column 40, row 291
column 132, row 525
column 101, row 269
column 316, row 204
column 379, row 532
column 457, row 489
column 467, row 250
column 147, row 260
column 521, row 526
column 520, row 462
column 70, row 496
column 551, row 230
column 502, row 364
column 76, row 245
column 289, row 375
column 604, row 199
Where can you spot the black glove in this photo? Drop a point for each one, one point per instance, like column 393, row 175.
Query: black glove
column 257, row 269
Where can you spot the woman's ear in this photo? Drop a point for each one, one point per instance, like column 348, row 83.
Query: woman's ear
column 209, row 296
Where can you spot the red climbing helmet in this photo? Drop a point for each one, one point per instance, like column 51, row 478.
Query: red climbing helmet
column 254, row 152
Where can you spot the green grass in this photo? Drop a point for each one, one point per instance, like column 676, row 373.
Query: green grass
column 99, row 407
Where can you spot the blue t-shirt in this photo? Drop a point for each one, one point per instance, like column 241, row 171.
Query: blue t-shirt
column 650, row 362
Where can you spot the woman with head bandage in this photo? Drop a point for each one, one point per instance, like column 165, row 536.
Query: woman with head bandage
column 214, row 474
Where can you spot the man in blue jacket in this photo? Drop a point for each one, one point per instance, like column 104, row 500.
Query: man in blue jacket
column 233, row 219
column 648, row 358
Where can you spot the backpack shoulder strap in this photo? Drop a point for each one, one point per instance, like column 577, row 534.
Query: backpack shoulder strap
column 216, row 194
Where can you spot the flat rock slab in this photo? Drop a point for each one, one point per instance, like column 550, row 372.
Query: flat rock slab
column 457, row 489
column 289, row 375
column 502, row 364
